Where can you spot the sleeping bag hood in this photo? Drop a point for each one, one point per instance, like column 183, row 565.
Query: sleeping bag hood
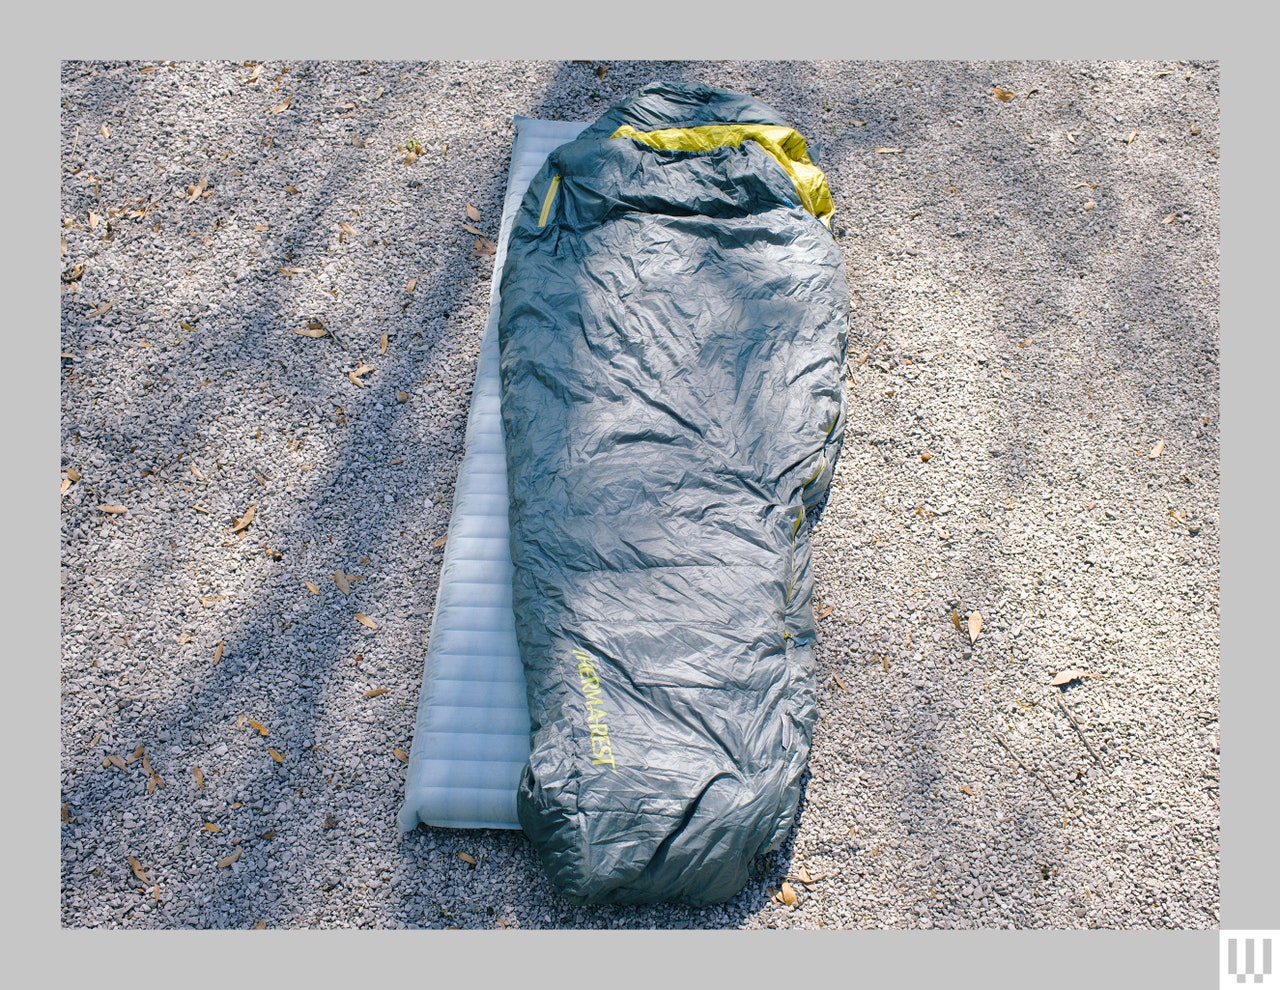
column 673, row 323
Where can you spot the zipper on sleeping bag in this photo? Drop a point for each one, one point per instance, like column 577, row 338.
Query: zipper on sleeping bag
column 546, row 202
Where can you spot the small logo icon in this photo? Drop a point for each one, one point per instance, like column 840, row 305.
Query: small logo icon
column 1245, row 958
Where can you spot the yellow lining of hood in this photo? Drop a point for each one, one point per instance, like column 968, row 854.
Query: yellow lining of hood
column 783, row 143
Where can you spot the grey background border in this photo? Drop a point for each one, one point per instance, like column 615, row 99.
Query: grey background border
column 667, row 30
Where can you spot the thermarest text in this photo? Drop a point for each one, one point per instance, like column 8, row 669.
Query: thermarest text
column 601, row 746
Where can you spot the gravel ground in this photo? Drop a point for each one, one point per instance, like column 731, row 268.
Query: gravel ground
column 1033, row 436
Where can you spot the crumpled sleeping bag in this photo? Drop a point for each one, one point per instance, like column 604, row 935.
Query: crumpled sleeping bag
column 674, row 316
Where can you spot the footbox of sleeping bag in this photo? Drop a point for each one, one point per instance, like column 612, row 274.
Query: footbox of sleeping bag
column 674, row 315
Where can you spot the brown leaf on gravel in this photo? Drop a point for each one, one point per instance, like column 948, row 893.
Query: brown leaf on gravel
column 1085, row 185
column 100, row 309
column 138, row 871
column 340, row 580
column 1067, row 676
column 967, row 790
column 364, row 620
column 66, row 484
column 73, row 474
column 226, row 861
column 312, row 587
column 840, row 680
column 1131, row 138
column 826, row 611
column 246, row 519
column 292, row 190
column 217, row 652
column 93, row 220
column 955, row 620
column 411, row 284
column 276, row 754
column 104, row 130
column 788, row 894
column 383, row 341
column 440, row 542
column 284, row 105
column 1157, row 450
column 66, row 813
column 315, row 330
column 473, row 213
column 1003, row 95
column 483, row 248
column 858, row 123
column 258, row 727
column 116, row 762
column 472, row 229
column 193, row 192
column 112, row 510
column 347, row 229
column 253, row 78
column 375, row 692
column 363, row 369
column 975, row 626
column 467, row 858
column 199, row 775
column 888, row 151
column 137, row 754
column 400, row 755
column 267, row 835
column 1170, row 218
column 260, row 924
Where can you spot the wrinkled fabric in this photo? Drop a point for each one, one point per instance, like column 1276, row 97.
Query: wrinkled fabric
column 673, row 327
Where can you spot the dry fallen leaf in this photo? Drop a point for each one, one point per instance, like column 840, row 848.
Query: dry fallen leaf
column 66, row 485
column 412, row 284
column 967, row 789
column 975, row 626
column 193, row 192
column 276, row 754
column 340, row 580
column 112, row 510
column 840, row 680
column 217, row 652
column 312, row 587
column 383, row 342
column 472, row 229
column 1170, row 218
column 375, row 692
column 347, row 229
column 803, row 875
column 93, row 219
column 1157, row 450
column 315, row 330
column 1130, row 139
column 472, row 212
column 210, row 827
column 1067, row 676
column 247, row 518
column 400, row 755
column 788, row 894
column 440, row 542
column 105, row 131
column 137, row 754
column 292, row 190
column 258, row 727
column 137, row 869
column 268, row 834
column 888, row 151
column 199, row 775
column 955, row 620
column 1003, row 95
column 467, row 858
column 364, row 369
column 280, row 108
column 364, row 620
column 253, row 78
column 100, row 309
column 228, row 860
column 260, row 924
column 66, row 813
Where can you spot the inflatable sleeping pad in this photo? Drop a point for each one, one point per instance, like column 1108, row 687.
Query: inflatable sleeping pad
column 674, row 316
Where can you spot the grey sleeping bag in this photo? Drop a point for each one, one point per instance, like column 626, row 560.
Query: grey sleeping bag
column 673, row 323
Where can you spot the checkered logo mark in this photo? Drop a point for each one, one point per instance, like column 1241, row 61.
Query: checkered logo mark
column 1246, row 959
